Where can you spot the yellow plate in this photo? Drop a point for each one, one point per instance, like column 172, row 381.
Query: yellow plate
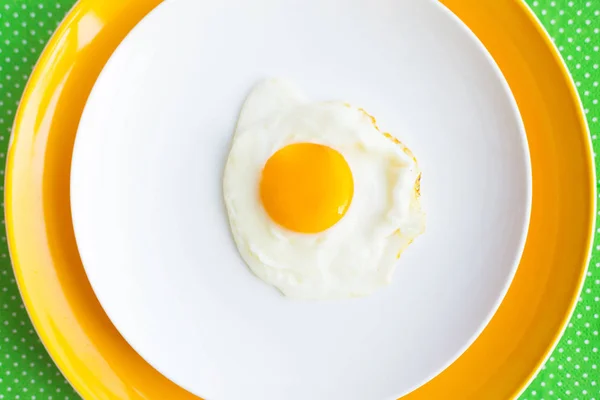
column 101, row 365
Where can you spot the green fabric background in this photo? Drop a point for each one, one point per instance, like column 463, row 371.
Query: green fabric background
column 26, row 370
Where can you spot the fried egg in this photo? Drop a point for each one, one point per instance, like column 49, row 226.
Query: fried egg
column 321, row 203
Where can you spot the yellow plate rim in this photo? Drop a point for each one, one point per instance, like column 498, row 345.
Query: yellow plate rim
column 592, row 223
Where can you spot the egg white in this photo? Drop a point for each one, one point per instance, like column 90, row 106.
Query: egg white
column 357, row 255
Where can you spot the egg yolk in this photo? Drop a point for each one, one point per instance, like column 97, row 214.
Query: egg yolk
column 306, row 187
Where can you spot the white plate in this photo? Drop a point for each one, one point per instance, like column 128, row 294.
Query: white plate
column 152, row 230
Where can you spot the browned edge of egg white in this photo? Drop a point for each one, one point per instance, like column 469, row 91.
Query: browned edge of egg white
column 406, row 150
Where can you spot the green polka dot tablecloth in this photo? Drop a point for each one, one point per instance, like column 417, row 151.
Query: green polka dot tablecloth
column 26, row 370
